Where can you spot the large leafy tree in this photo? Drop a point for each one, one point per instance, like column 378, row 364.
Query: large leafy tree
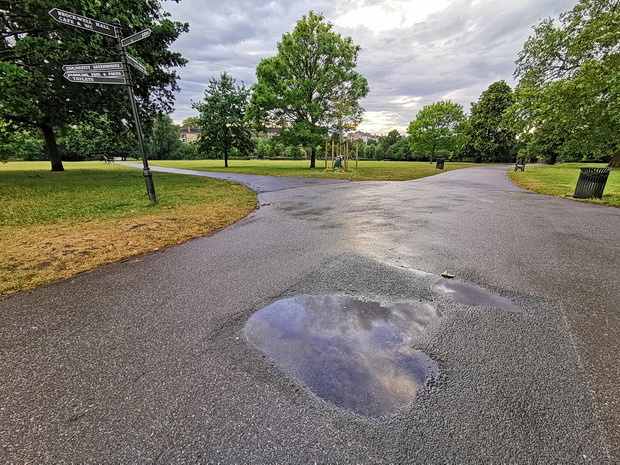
column 310, row 86
column 436, row 129
column 34, row 48
column 569, row 85
column 222, row 118
column 490, row 134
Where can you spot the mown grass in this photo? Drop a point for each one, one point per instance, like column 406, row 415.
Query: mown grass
column 367, row 171
column 560, row 181
column 56, row 224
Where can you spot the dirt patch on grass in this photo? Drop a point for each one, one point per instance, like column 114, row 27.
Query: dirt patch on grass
column 35, row 255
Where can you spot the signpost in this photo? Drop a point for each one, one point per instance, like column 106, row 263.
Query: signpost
column 87, row 78
column 136, row 37
column 136, row 64
column 66, row 17
column 94, row 67
column 110, row 73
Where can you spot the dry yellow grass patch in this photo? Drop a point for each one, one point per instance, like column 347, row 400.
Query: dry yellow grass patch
column 39, row 254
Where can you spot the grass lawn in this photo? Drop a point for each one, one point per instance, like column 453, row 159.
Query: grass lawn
column 56, row 224
column 560, row 181
column 368, row 170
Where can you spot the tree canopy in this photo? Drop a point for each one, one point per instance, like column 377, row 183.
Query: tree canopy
column 222, row 118
column 163, row 142
column 310, row 86
column 568, row 97
column 34, row 48
column 98, row 137
column 490, row 136
column 436, row 129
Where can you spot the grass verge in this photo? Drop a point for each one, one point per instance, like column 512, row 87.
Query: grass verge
column 54, row 225
column 560, row 181
column 367, row 171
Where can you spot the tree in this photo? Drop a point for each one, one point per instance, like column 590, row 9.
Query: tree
column 191, row 121
column 569, row 81
column 96, row 137
column 401, row 150
column 310, row 86
column 385, row 142
column 436, row 129
column 163, row 142
column 490, row 136
column 34, row 48
column 222, row 113
column 20, row 145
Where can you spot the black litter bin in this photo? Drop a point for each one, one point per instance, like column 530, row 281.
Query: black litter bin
column 591, row 183
column 440, row 162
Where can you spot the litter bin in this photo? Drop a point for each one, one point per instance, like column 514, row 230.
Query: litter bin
column 440, row 162
column 591, row 183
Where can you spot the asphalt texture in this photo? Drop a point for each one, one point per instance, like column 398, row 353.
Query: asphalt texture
column 145, row 361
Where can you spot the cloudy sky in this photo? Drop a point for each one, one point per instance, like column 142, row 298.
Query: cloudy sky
column 414, row 52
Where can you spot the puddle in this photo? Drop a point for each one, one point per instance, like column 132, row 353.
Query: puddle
column 352, row 353
column 468, row 294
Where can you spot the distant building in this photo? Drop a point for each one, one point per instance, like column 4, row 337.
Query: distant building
column 188, row 134
column 365, row 136
column 273, row 132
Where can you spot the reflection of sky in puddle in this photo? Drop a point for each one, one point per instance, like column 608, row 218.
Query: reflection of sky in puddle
column 469, row 294
column 354, row 354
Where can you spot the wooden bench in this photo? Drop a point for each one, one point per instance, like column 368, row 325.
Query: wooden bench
column 520, row 165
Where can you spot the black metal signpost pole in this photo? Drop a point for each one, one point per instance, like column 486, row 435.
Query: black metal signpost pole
column 148, row 176
column 110, row 73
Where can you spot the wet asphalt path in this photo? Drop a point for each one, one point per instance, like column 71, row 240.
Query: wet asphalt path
column 144, row 361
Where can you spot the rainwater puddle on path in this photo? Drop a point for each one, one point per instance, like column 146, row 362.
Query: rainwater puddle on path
column 468, row 294
column 355, row 354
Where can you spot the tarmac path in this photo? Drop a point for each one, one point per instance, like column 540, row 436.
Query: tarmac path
column 145, row 361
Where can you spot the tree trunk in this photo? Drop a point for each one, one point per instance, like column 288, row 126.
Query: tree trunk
column 51, row 148
column 312, row 158
column 226, row 159
column 615, row 160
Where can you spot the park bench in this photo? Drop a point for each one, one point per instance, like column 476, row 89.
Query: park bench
column 520, row 165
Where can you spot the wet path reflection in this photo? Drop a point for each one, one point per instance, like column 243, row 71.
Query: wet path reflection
column 352, row 353
column 468, row 294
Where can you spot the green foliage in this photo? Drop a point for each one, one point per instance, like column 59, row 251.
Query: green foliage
column 34, row 48
column 294, row 151
column 568, row 96
column 385, row 142
column 310, row 86
column 97, row 137
column 191, row 121
column 263, row 148
column 20, row 145
column 372, row 151
column 186, row 151
column 490, row 134
column 163, row 142
column 401, row 150
column 268, row 147
column 221, row 123
column 436, row 131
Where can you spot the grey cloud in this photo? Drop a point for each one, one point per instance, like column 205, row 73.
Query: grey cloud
column 458, row 51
